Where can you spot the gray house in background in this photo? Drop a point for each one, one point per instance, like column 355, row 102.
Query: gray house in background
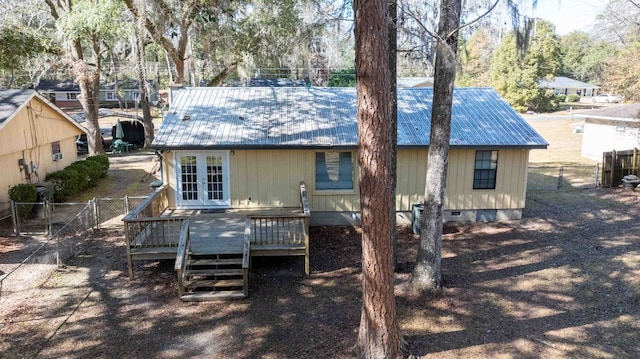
column 125, row 93
column 567, row 86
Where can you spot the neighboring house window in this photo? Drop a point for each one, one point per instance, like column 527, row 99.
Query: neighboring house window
column 72, row 95
column 334, row 170
column 55, row 151
column 485, row 169
column 110, row 96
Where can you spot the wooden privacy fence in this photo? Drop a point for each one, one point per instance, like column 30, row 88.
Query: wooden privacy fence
column 617, row 164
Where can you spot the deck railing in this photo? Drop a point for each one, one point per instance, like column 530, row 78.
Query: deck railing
column 181, row 256
column 281, row 234
column 148, row 235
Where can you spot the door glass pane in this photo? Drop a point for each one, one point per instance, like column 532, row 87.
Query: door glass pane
column 189, row 177
column 214, row 178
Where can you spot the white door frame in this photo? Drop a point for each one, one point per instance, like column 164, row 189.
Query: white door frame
column 201, row 189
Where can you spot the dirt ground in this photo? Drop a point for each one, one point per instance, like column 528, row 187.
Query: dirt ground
column 564, row 282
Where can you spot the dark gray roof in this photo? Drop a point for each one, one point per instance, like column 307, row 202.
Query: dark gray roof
column 566, row 83
column 10, row 102
column 295, row 117
column 631, row 111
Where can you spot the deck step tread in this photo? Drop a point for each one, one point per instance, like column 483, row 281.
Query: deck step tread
column 214, row 261
column 207, row 296
column 212, row 272
column 220, row 283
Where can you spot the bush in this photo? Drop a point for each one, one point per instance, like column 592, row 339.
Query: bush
column 573, row 98
column 103, row 160
column 561, row 98
column 24, row 193
column 65, row 182
column 90, row 172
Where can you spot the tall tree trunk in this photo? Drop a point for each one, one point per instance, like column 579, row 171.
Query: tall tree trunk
column 88, row 80
column 378, row 336
column 142, row 78
column 393, row 92
column 427, row 273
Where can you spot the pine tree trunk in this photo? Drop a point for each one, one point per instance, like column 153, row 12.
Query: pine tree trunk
column 378, row 336
column 427, row 274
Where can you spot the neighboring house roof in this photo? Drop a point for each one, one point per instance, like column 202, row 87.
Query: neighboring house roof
column 628, row 112
column 297, row 117
column 59, row 86
column 566, row 83
column 12, row 101
column 70, row 86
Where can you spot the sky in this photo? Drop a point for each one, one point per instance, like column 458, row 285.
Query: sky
column 569, row 15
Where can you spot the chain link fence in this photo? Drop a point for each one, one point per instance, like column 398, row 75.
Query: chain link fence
column 563, row 178
column 51, row 233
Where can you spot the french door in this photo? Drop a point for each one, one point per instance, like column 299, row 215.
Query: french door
column 203, row 179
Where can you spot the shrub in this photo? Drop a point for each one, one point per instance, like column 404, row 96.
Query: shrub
column 103, row 160
column 90, row 172
column 65, row 182
column 24, row 193
column 561, row 98
column 573, row 98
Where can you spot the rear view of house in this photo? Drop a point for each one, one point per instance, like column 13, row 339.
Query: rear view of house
column 250, row 147
column 36, row 138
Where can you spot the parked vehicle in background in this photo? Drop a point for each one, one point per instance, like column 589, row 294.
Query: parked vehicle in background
column 606, row 98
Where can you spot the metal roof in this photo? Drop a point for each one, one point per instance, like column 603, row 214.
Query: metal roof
column 11, row 101
column 295, row 117
column 566, row 83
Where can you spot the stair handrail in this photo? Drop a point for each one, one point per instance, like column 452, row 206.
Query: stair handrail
column 181, row 260
column 246, row 256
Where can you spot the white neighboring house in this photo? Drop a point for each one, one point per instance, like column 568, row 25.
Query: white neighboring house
column 567, row 86
column 610, row 128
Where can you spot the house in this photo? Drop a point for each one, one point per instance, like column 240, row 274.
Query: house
column 124, row 93
column 36, row 138
column 610, row 128
column 250, row 147
column 567, row 86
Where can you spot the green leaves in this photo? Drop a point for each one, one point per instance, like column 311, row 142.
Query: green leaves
column 517, row 76
column 17, row 45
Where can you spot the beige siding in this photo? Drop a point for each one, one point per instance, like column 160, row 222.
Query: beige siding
column 510, row 182
column 28, row 135
column 271, row 177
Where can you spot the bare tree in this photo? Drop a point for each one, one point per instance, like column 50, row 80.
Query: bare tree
column 170, row 22
column 378, row 336
column 427, row 274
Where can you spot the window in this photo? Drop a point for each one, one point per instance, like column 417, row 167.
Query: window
column 72, row 95
column 55, row 151
column 484, row 174
column 110, row 96
column 334, row 170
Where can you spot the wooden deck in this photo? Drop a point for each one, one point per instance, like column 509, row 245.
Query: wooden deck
column 222, row 233
column 212, row 249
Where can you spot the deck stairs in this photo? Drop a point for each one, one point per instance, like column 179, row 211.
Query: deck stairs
column 214, row 276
